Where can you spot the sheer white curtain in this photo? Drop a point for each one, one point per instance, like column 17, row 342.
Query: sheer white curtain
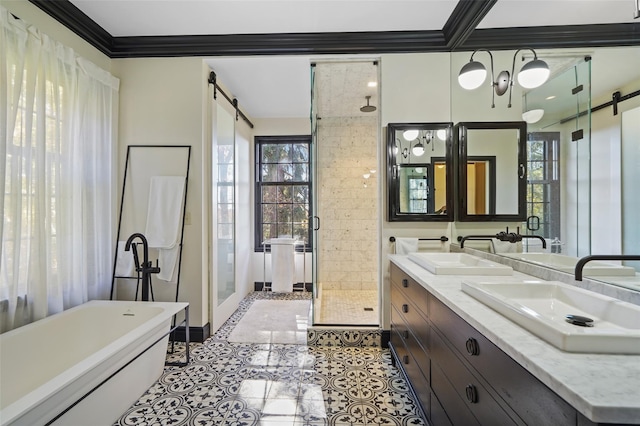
column 56, row 168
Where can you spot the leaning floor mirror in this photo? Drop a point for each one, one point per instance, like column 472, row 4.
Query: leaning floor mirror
column 420, row 172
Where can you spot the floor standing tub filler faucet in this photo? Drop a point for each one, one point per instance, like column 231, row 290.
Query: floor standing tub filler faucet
column 146, row 268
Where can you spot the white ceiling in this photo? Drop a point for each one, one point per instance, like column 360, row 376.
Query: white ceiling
column 178, row 17
column 279, row 86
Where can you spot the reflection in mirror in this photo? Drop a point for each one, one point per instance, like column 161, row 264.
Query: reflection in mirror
column 493, row 152
column 419, row 171
column 481, row 184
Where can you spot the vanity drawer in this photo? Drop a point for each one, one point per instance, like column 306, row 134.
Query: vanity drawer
column 411, row 315
column 412, row 369
column 411, row 289
column 532, row 400
column 456, row 410
column 437, row 415
column 417, row 351
column 470, row 390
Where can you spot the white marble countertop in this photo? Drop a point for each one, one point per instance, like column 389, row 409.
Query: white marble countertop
column 604, row 388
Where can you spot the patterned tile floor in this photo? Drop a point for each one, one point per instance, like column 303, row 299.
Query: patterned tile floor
column 276, row 385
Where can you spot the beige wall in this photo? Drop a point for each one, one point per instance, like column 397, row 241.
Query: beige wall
column 161, row 103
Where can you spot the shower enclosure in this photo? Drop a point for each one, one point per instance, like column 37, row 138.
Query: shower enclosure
column 345, row 200
column 559, row 158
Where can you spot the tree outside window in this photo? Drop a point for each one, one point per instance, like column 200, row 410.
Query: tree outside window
column 283, row 188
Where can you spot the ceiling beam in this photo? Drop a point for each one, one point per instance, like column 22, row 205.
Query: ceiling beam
column 553, row 37
column 77, row 21
column 458, row 33
column 463, row 21
column 279, row 44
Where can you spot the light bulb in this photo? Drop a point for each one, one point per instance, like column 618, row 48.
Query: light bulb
column 418, row 150
column 533, row 115
column 442, row 134
column 472, row 75
column 410, row 135
column 533, row 74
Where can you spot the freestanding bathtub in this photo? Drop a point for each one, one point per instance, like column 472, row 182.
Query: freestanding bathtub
column 84, row 366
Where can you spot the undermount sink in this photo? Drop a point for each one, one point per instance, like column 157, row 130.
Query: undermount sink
column 542, row 309
column 458, row 264
column 568, row 264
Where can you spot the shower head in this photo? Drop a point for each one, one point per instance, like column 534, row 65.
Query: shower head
column 367, row 107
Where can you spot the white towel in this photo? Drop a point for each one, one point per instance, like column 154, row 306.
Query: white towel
column 124, row 262
column 406, row 245
column 282, row 264
column 164, row 216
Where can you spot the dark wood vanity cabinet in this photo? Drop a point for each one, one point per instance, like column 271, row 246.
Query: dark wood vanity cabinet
column 459, row 376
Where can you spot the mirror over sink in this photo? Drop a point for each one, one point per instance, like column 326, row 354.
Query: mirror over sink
column 492, row 152
column 420, row 172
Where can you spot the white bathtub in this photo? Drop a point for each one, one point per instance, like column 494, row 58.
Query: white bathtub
column 49, row 365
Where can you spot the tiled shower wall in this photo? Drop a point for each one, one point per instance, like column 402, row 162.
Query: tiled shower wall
column 348, row 203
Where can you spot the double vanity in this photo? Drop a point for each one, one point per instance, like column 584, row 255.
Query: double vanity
column 483, row 344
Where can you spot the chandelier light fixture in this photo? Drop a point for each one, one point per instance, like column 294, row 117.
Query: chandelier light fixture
column 533, row 74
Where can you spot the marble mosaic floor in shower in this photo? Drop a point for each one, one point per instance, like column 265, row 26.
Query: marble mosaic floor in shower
column 276, row 384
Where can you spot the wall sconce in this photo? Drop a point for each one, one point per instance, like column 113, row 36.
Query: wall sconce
column 533, row 74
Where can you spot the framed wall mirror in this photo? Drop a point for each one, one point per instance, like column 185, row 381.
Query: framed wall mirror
column 492, row 172
column 420, row 172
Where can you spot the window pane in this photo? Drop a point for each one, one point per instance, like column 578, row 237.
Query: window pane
column 225, row 231
column 269, row 152
column 270, row 173
column 301, row 194
column 285, row 229
column 301, row 153
column 284, row 153
column 300, row 172
column 285, row 172
column 536, row 170
column 269, row 194
column 225, row 213
column 300, row 212
column 225, row 194
column 225, row 172
column 301, row 232
column 225, row 154
column 284, row 194
column 268, row 213
column 268, row 231
column 284, row 212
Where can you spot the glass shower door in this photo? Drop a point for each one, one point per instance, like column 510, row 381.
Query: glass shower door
column 559, row 160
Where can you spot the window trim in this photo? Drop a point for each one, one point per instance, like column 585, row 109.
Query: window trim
column 259, row 141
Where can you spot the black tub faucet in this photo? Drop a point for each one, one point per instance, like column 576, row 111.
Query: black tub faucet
column 146, row 267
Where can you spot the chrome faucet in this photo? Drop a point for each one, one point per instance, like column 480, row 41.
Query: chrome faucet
column 583, row 261
column 147, row 268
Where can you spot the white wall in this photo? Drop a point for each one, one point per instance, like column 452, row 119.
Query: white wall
column 161, row 103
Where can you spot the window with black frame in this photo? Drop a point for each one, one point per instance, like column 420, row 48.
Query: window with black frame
column 543, row 182
column 283, row 189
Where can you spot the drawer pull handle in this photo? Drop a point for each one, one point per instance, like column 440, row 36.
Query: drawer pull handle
column 405, row 308
column 405, row 359
column 472, row 346
column 405, row 334
column 405, row 283
column 472, row 394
